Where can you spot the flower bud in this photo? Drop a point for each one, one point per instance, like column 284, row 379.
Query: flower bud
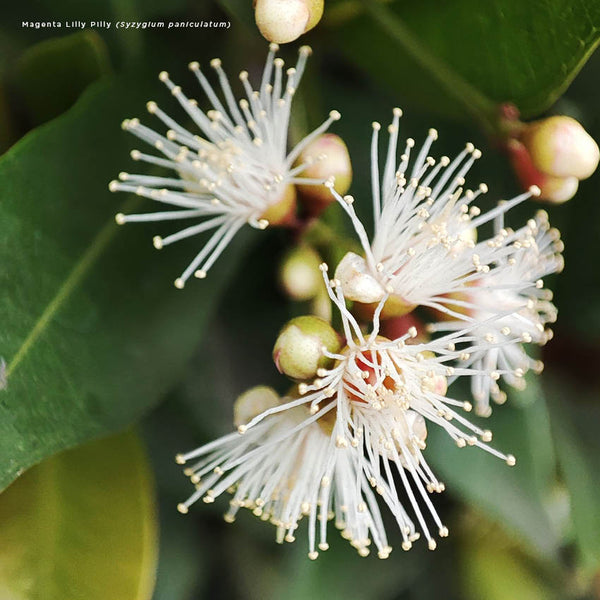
column 298, row 351
column 366, row 291
column 327, row 156
column 283, row 21
column 320, row 305
column 356, row 281
column 552, row 189
column 436, row 383
column 283, row 211
column 254, row 402
column 560, row 147
column 416, row 425
column 396, row 327
column 559, row 189
column 411, row 435
column 300, row 276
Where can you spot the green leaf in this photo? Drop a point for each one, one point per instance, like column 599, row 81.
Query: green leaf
column 512, row 496
column 269, row 571
column 7, row 127
column 327, row 577
column 93, row 331
column 465, row 56
column 81, row 525
column 490, row 564
column 576, row 415
column 52, row 74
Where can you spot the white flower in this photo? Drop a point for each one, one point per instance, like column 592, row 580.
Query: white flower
column 284, row 469
column 235, row 171
column 366, row 427
column 515, row 291
column 423, row 249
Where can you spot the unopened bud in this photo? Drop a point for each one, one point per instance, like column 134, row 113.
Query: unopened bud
column 560, row 147
column 320, row 305
column 410, row 435
column 283, row 21
column 283, row 210
column 416, row 424
column 559, row 189
column 436, row 383
column 300, row 275
column 366, row 291
column 356, row 281
column 395, row 327
column 552, row 189
column 298, row 351
column 254, row 402
column 327, row 157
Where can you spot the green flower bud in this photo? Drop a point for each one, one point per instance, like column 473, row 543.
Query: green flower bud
column 560, row 147
column 298, row 351
column 300, row 275
column 283, row 21
column 254, row 402
column 327, row 156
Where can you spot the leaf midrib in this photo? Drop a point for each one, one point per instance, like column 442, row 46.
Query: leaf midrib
column 73, row 279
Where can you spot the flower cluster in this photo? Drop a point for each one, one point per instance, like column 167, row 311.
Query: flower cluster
column 424, row 252
column 356, row 431
column 351, row 435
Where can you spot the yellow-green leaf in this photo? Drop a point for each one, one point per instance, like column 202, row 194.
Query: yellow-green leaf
column 81, row 525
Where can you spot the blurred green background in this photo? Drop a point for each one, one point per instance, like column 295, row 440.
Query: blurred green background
column 97, row 340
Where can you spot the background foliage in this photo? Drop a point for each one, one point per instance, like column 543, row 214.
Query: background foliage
column 95, row 337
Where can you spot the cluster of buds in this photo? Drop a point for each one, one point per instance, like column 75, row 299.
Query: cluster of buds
column 554, row 154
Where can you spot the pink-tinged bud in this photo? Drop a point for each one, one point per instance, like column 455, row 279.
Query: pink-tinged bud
column 283, row 21
column 559, row 189
column 438, row 384
column 396, row 327
column 325, row 157
column 300, row 348
column 300, row 276
column 553, row 189
column 560, row 147
column 254, row 402
column 282, row 212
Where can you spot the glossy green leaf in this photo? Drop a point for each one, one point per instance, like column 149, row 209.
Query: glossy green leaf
column 93, row 331
column 465, row 56
column 51, row 75
column 576, row 414
column 81, row 524
column 490, row 564
column 512, row 496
